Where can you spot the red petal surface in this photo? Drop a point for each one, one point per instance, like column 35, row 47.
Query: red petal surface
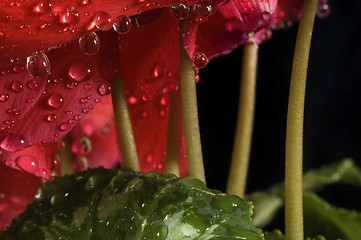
column 76, row 84
column 288, row 11
column 39, row 159
column 17, row 189
column 228, row 27
column 27, row 26
column 18, row 91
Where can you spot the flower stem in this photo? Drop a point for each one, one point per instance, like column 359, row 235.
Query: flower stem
column 124, row 127
column 242, row 144
column 294, row 134
column 192, row 137
column 66, row 158
column 173, row 136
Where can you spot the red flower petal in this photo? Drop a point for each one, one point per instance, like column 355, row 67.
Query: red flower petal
column 76, row 84
column 39, row 160
column 27, row 26
column 16, row 191
column 18, row 91
column 288, row 11
column 229, row 26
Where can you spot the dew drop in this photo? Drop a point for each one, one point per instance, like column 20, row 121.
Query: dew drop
column 89, row 44
column 8, row 163
column 201, row 12
column 50, row 118
column 323, row 9
column 158, row 71
column 17, row 86
column 180, row 11
column 4, row 97
column 200, row 60
column 122, row 24
column 70, row 16
column 43, row 7
column 27, row 163
column 80, row 71
column 64, row 127
column 105, row 89
column 266, row 16
column 87, row 86
column 38, row 65
column 97, row 100
column 55, row 101
column 103, row 21
column 85, row 2
column 43, row 173
column 18, row 68
column 32, row 84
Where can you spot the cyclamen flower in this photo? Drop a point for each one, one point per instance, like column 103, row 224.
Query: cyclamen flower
column 41, row 104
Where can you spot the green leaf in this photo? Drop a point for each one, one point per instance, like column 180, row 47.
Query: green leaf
column 117, row 204
column 278, row 235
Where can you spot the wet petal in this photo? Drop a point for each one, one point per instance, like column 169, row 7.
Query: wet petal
column 18, row 91
column 229, row 26
column 288, row 12
column 77, row 82
column 40, row 160
column 16, row 191
column 47, row 24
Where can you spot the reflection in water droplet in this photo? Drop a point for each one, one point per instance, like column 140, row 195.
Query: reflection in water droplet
column 80, row 71
column 4, row 97
column 27, row 163
column 89, row 44
column 323, row 9
column 122, row 24
column 70, row 16
column 17, row 86
column 64, row 126
column 32, row 84
column 51, row 118
column 103, row 21
column 55, row 101
column 105, row 89
column 180, row 11
column 44, row 6
column 200, row 60
column 14, row 142
column 38, row 65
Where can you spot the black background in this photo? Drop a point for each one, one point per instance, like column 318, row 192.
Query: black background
column 333, row 100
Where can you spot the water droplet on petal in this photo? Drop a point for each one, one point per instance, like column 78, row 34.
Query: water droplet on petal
column 266, row 16
column 80, row 71
column 323, row 9
column 4, row 97
column 64, row 126
column 18, row 68
column 103, row 21
column 17, row 86
column 38, row 65
column 43, row 173
column 32, row 84
column 201, row 12
column 43, row 7
column 55, row 101
column 200, row 60
column 122, row 24
column 70, row 16
column 180, row 11
column 51, row 118
column 89, row 44
column 27, row 163
column 105, row 89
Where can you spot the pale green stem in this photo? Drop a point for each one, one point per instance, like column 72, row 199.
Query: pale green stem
column 243, row 138
column 174, row 134
column 190, row 114
column 124, row 127
column 294, row 134
column 66, row 158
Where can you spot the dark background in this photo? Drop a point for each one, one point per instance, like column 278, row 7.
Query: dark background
column 333, row 100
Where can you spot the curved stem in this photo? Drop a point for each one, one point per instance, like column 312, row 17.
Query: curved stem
column 124, row 127
column 243, row 139
column 174, row 133
column 294, row 134
column 190, row 113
